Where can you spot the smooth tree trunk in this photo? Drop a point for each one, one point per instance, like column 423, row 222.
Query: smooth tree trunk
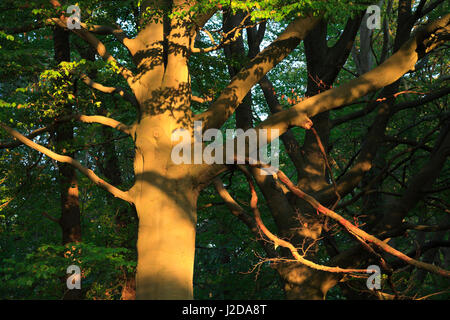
column 165, row 197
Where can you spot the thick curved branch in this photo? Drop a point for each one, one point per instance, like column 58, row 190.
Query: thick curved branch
column 65, row 159
column 103, row 52
column 118, row 33
column 83, row 118
column 404, row 60
column 237, row 89
column 234, row 207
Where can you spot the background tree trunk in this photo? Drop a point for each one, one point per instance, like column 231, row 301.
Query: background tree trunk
column 70, row 220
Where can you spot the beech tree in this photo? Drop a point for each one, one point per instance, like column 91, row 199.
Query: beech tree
column 160, row 39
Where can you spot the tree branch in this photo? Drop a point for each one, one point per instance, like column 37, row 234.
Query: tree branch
column 421, row 181
column 118, row 33
column 409, row 142
column 280, row 242
column 291, row 144
column 371, row 105
column 240, row 213
column 439, row 93
column 234, row 207
column 358, row 232
column 227, row 37
column 421, row 11
column 426, row 39
column 65, row 159
column 427, row 246
column 200, row 100
column 109, row 122
column 237, row 89
column 50, row 217
column 100, row 48
column 23, row 28
column 35, row 133
column 98, row 86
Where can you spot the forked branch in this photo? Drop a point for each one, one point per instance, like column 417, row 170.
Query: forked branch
column 356, row 231
column 227, row 37
column 424, row 41
column 280, row 242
